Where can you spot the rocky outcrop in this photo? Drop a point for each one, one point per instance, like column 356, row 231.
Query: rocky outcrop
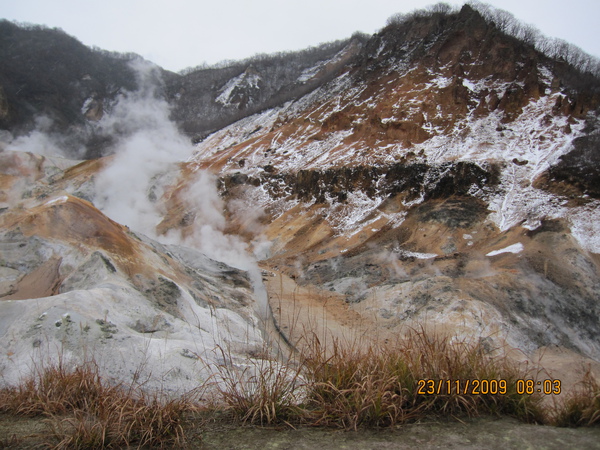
column 413, row 180
column 577, row 173
column 75, row 285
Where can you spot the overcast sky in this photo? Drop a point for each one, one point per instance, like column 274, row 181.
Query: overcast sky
column 181, row 33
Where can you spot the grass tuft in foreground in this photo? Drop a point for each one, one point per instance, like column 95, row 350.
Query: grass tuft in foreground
column 263, row 392
column 581, row 407
column 351, row 385
column 419, row 376
column 83, row 411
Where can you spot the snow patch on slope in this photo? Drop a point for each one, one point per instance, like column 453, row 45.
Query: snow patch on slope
column 514, row 248
column 56, row 201
column 584, row 226
column 352, row 215
column 246, row 80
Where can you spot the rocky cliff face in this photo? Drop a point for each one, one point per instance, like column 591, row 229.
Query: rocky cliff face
column 440, row 174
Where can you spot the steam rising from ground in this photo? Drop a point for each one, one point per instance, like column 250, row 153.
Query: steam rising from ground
column 145, row 162
column 39, row 141
column 203, row 201
column 151, row 145
column 147, row 148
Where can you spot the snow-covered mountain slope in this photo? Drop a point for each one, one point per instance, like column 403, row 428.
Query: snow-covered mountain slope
column 207, row 99
column 413, row 185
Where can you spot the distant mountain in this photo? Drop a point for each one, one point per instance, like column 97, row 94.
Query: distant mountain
column 47, row 73
column 208, row 99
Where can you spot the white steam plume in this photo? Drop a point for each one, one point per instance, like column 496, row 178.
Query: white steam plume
column 40, row 141
column 151, row 143
column 202, row 199
column 151, row 146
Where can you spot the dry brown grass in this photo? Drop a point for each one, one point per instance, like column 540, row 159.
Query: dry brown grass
column 54, row 390
column 581, row 407
column 84, row 411
column 351, row 385
column 263, row 392
column 354, row 386
column 346, row 385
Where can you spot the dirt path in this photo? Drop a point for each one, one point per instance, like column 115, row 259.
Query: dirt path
column 299, row 311
column 488, row 433
column 500, row 434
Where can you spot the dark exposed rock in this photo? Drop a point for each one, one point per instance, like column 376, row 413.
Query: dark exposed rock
column 431, row 181
column 549, row 225
column 157, row 323
column 460, row 212
column 520, row 162
column 434, row 181
column 162, row 292
column 579, row 169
